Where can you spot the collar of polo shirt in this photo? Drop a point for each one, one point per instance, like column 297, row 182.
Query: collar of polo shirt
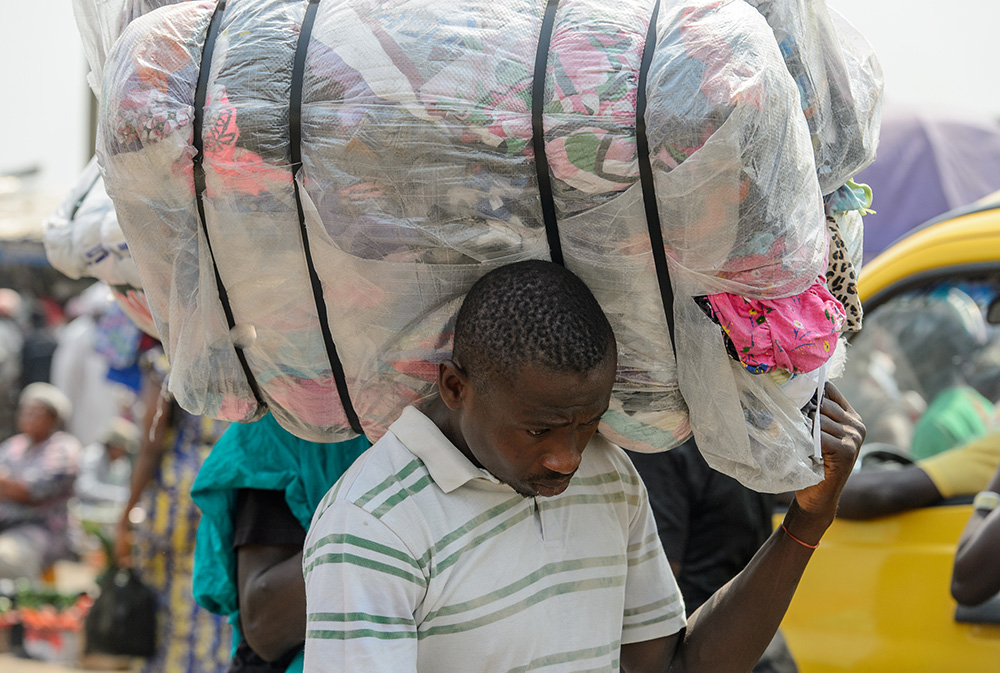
column 448, row 467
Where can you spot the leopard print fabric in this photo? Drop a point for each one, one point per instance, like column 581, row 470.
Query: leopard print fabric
column 841, row 278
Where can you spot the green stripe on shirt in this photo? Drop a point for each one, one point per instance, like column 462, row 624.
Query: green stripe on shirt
column 566, row 657
column 543, row 573
column 655, row 620
column 362, row 543
column 516, row 608
column 399, row 476
column 469, row 525
column 401, row 495
column 496, row 530
column 352, row 559
column 357, row 617
column 334, row 634
column 649, row 607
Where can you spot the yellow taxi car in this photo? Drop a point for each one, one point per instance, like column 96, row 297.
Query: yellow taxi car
column 875, row 597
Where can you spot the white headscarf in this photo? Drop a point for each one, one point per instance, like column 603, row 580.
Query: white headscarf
column 50, row 396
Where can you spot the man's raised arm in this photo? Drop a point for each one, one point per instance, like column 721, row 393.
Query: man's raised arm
column 731, row 630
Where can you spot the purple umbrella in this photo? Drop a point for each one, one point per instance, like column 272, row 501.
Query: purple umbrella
column 927, row 164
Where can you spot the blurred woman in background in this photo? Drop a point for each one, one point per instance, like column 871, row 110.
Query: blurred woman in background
column 157, row 537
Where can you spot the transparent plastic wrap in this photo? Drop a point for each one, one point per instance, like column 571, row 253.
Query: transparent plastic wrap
column 852, row 229
column 839, row 81
column 83, row 239
column 82, row 236
column 100, row 22
column 156, row 209
column 417, row 175
column 739, row 201
column 742, row 213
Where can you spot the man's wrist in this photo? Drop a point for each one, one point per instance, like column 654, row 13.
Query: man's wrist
column 805, row 528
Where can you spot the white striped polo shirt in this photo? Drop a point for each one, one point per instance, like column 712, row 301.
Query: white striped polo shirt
column 418, row 561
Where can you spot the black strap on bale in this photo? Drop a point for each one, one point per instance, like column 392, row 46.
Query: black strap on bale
column 83, row 197
column 538, row 133
column 646, row 180
column 295, row 140
column 200, row 95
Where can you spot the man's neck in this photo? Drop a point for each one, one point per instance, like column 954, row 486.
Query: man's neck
column 447, row 422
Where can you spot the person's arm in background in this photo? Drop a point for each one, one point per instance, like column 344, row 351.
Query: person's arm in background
column 14, row 490
column 272, row 598
column 270, row 588
column 962, row 471
column 976, row 575
column 29, row 493
column 156, row 420
column 873, row 493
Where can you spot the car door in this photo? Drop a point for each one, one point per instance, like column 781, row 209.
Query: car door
column 876, row 595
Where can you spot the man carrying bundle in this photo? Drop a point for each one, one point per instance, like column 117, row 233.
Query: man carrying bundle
column 498, row 532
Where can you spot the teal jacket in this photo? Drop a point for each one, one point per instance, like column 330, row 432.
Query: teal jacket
column 259, row 455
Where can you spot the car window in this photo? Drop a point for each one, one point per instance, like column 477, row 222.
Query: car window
column 930, row 347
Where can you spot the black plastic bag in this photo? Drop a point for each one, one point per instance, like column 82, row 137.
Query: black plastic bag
column 123, row 618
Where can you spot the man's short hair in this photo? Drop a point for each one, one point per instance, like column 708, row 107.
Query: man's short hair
column 532, row 312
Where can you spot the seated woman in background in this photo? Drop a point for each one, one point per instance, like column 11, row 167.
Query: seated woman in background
column 37, row 469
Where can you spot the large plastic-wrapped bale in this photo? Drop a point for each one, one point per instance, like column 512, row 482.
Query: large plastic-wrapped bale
column 463, row 194
column 839, row 81
column 154, row 190
column 83, row 239
column 82, row 236
column 310, row 189
column 742, row 213
column 99, row 25
column 740, row 205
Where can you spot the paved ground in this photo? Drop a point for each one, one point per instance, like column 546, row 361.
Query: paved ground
column 11, row 664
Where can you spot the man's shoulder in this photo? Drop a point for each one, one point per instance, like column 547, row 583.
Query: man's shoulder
column 377, row 499
column 383, row 468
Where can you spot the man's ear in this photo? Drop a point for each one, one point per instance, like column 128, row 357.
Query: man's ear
column 453, row 384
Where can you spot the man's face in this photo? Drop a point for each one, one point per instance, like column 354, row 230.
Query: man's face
column 531, row 432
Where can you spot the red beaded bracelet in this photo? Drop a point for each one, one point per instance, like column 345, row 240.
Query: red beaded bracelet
column 804, row 544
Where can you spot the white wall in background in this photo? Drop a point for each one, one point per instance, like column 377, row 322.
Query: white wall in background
column 43, row 116
column 942, row 55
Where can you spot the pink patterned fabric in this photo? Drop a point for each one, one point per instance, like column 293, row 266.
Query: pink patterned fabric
column 797, row 334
